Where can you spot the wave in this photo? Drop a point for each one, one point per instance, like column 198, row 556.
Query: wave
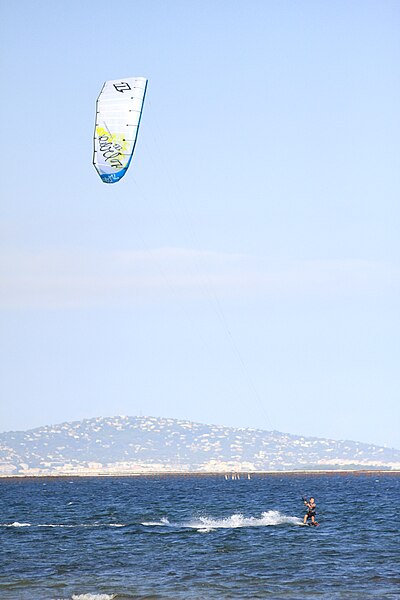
column 237, row 520
column 160, row 523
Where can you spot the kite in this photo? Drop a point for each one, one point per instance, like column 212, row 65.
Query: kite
column 118, row 113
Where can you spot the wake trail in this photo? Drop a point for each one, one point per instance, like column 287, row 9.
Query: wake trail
column 234, row 521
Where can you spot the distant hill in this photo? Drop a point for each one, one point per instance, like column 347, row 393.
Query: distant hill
column 115, row 445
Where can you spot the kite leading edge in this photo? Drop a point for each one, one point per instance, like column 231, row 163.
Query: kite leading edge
column 118, row 112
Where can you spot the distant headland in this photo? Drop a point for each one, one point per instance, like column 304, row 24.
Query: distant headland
column 123, row 445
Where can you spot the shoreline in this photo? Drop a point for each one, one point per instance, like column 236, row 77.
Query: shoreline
column 228, row 475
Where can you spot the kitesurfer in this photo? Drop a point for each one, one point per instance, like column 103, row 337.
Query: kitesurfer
column 311, row 511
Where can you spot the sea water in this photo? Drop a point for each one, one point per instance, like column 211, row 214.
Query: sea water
column 199, row 537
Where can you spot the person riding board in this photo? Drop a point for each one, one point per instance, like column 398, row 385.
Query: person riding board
column 311, row 511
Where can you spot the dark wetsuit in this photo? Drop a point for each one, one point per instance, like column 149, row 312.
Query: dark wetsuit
column 311, row 511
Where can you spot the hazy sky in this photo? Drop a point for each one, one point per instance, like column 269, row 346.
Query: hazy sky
column 246, row 271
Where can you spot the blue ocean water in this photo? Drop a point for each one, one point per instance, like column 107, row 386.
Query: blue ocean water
column 199, row 537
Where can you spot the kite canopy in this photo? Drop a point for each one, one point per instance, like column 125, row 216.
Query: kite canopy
column 118, row 112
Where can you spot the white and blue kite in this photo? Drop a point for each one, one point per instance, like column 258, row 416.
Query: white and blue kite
column 118, row 112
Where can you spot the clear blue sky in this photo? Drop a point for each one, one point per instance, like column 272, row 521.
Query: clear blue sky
column 246, row 270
